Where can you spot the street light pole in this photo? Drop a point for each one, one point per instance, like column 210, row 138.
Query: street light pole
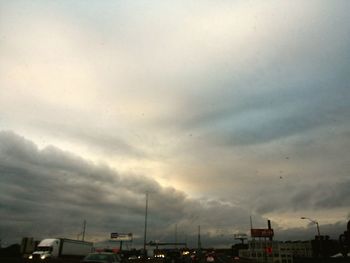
column 145, row 233
column 318, row 233
column 318, row 228
column 315, row 222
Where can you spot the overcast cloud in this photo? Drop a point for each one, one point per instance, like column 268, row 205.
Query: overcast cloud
column 221, row 110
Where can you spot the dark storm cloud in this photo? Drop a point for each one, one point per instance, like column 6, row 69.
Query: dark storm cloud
column 324, row 195
column 301, row 196
column 299, row 233
column 296, row 82
column 40, row 184
column 50, row 192
column 249, row 115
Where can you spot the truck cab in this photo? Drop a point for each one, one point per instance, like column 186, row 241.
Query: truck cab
column 47, row 248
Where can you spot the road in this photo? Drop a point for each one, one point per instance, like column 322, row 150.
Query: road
column 219, row 259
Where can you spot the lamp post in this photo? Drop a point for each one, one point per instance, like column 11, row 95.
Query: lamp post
column 314, row 222
column 319, row 253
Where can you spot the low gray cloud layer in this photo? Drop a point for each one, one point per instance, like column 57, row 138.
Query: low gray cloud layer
column 49, row 192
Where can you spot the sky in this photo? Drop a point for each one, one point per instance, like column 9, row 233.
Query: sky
column 220, row 110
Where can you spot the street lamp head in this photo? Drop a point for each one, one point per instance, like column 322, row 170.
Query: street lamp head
column 314, row 222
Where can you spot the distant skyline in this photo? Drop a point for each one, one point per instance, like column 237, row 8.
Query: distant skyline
column 221, row 110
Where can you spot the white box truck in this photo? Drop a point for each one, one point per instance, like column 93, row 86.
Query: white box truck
column 61, row 247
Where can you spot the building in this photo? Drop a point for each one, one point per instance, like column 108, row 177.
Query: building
column 264, row 250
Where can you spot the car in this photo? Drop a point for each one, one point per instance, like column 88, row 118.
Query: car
column 210, row 258
column 102, row 257
column 133, row 257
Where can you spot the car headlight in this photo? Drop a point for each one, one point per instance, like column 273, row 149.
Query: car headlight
column 30, row 257
column 43, row 257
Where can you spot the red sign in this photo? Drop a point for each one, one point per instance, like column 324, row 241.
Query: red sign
column 261, row 232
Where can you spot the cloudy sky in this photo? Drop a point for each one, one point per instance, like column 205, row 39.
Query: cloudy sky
column 219, row 109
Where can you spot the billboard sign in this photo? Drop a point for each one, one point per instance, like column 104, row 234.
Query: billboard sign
column 121, row 236
column 261, row 232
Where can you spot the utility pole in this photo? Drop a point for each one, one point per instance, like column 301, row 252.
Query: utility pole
column 199, row 238
column 251, row 223
column 84, row 227
column 145, row 234
column 175, row 235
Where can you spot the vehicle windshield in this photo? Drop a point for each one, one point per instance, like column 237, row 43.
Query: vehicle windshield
column 44, row 249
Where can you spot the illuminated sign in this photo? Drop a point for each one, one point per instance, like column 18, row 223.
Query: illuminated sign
column 121, row 236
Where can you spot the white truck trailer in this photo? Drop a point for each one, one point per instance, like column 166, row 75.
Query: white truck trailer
column 61, row 247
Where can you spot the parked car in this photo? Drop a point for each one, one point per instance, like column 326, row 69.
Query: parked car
column 102, row 257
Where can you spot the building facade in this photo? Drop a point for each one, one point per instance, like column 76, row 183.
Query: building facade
column 263, row 250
